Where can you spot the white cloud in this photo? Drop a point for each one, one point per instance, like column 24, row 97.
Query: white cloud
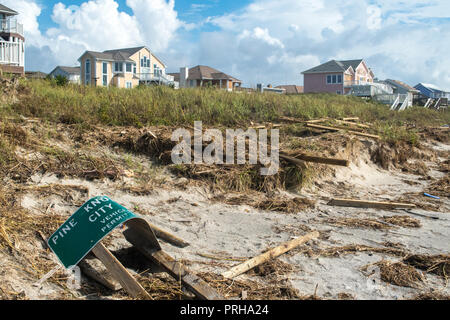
column 268, row 41
column 95, row 25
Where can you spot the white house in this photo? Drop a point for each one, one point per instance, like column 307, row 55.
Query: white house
column 12, row 42
column 71, row 73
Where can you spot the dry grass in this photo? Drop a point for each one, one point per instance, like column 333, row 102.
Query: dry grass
column 359, row 223
column 398, row 274
column 403, row 221
column 352, row 249
column 274, row 290
column 431, row 296
column 437, row 264
column 266, row 202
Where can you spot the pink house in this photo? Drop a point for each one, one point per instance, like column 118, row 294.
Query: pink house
column 337, row 76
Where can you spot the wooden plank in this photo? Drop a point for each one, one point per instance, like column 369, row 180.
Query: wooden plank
column 368, row 204
column 354, row 124
column 374, row 136
column 315, row 126
column 271, row 254
column 193, row 283
column 295, row 161
column 166, row 236
column 95, row 270
column 333, row 128
column 118, row 271
column 308, row 158
column 350, row 119
column 317, row 120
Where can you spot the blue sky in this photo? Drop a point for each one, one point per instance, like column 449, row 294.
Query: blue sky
column 257, row 41
column 189, row 11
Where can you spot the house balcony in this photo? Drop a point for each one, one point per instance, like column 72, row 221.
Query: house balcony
column 11, row 53
column 11, row 26
column 158, row 77
column 348, row 84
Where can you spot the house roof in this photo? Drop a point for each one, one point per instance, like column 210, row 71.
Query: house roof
column 335, row 66
column 7, row 10
column 402, row 84
column 204, row 73
column 351, row 63
column 69, row 70
column 432, row 87
column 291, row 89
column 118, row 54
column 208, row 73
column 175, row 75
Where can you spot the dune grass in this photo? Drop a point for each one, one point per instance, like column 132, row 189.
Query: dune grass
column 145, row 106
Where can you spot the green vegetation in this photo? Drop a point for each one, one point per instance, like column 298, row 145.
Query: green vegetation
column 144, row 106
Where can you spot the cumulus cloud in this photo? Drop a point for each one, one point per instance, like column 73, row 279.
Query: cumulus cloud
column 394, row 38
column 94, row 25
column 268, row 41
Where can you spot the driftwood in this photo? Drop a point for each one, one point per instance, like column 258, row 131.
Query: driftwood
column 166, row 236
column 271, row 254
column 369, row 204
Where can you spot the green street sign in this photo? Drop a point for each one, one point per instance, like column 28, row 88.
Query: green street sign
column 87, row 227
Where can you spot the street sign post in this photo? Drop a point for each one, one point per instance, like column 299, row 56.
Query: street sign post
column 87, row 227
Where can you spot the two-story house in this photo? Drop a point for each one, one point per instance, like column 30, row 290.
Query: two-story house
column 337, row 76
column 123, row 68
column 12, row 42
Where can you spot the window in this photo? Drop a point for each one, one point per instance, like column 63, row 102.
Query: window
column 129, row 67
column 105, row 74
column 134, row 69
column 334, row 78
column 338, row 92
column 129, row 85
column 118, row 67
column 191, row 83
column 87, row 72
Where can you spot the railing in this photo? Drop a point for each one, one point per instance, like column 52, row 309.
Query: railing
column 390, row 98
column 356, row 83
column 158, row 77
column 11, row 53
column 11, row 26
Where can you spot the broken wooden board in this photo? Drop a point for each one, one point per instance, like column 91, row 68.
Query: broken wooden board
column 136, row 236
column 315, row 159
column 350, row 119
column 166, row 236
column 315, row 126
column 95, row 270
column 368, row 204
column 317, row 120
column 354, row 124
column 295, row 161
column 118, row 271
column 271, row 254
